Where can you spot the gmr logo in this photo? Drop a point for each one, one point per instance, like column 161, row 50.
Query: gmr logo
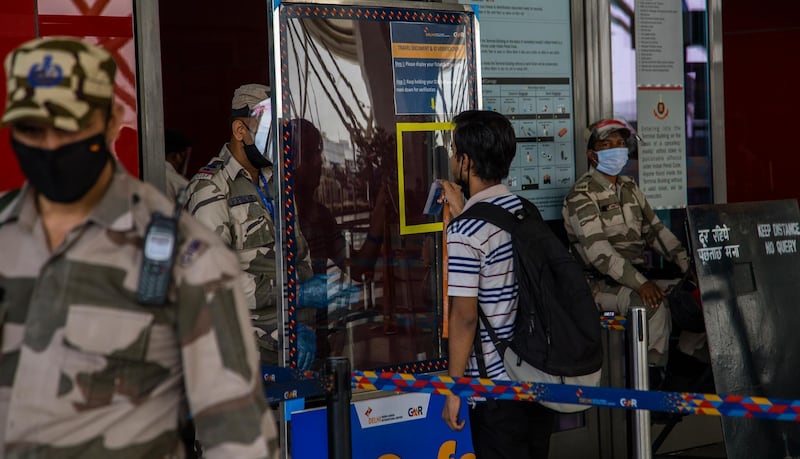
column 627, row 402
column 415, row 412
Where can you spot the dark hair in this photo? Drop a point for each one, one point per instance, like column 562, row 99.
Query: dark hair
column 487, row 138
column 175, row 141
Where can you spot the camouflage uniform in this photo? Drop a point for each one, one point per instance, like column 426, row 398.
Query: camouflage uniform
column 174, row 181
column 86, row 370
column 222, row 196
column 609, row 226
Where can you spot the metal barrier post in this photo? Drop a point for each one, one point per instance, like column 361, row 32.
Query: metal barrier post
column 637, row 324
column 337, row 369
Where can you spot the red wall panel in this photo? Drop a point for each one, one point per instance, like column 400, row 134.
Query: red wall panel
column 108, row 24
column 760, row 41
column 17, row 25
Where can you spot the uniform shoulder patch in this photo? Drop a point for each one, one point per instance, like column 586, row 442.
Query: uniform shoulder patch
column 202, row 176
column 626, row 179
column 581, row 186
column 209, row 170
column 193, row 250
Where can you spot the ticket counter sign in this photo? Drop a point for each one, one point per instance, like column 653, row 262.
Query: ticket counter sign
column 403, row 426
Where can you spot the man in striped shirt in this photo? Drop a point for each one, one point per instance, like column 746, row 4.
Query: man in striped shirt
column 481, row 275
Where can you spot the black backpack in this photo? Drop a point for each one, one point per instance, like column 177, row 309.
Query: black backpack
column 557, row 328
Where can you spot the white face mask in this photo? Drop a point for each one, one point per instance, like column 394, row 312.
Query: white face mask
column 612, row 161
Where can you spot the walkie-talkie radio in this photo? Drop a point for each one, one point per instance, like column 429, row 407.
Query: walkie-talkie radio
column 160, row 246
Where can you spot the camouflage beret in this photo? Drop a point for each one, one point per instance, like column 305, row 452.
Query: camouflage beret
column 58, row 80
column 248, row 96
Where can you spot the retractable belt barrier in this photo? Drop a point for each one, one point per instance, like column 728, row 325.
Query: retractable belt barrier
column 283, row 383
column 613, row 322
column 671, row 402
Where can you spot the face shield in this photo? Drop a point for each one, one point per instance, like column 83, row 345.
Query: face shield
column 260, row 153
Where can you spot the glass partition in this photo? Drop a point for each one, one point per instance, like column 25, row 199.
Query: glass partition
column 364, row 103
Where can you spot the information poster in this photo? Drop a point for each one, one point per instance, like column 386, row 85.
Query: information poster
column 420, row 53
column 660, row 102
column 527, row 75
column 659, row 42
column 662, row 154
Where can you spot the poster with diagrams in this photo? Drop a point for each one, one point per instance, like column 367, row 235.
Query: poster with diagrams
column 526, row 64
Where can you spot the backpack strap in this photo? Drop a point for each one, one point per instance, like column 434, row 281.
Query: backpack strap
column 499, row 344
column 509, row 222
column 499, row 216
column 478, row 349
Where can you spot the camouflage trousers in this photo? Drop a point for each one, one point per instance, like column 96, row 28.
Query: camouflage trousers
column 611, row 296
column 268, row 340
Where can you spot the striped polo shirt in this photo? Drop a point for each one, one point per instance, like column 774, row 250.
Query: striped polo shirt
column 481, row 264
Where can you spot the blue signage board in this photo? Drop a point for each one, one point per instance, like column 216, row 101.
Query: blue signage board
column 426, row 58
column 397, row 427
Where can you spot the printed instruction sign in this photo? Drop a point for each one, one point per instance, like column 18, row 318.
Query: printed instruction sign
column 659, row 42
column 423, row 54
column 660, row 102
column 662, row 151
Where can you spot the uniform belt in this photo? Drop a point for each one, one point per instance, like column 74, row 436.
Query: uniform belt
column 594, row 274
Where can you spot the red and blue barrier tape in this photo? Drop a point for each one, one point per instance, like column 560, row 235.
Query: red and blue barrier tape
column 671, row 402
column 613, row 322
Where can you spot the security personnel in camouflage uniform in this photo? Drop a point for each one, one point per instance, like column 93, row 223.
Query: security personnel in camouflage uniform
column 86, row 370
column 609, row 224
column 233, row 195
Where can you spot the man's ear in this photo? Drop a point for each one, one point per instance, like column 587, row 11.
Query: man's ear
column 114, row 124
column 465, row 164
column 238, row 129
column 592, row 155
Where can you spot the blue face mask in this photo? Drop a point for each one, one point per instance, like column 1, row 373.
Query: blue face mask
column 612, row 161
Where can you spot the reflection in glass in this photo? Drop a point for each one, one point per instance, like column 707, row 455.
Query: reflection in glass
column 339, row 102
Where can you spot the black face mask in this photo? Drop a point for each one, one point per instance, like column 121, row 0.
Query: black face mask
column 67, row 173
column 255, row 157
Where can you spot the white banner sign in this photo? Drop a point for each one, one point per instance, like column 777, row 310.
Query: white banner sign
column 390, row 410
column 662, row 152
column 659, row 42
